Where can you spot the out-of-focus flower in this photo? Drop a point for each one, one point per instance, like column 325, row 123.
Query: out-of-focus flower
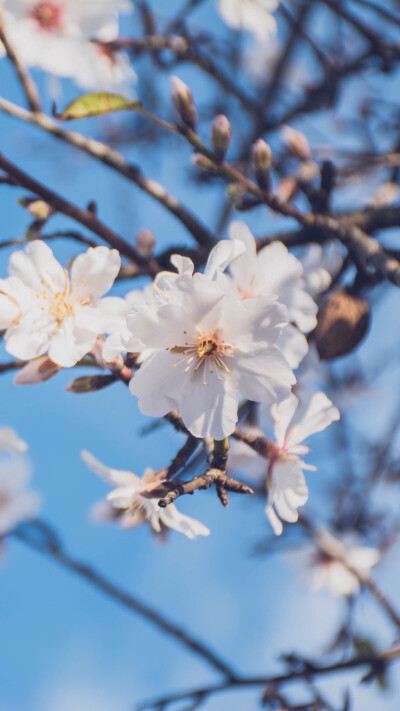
column 56, row 35
column 319, row 265
column 17, row 504
column 340, row 577
column 294, row 421
column 131, row 508
column 252, row 15
column 60, row 314
column 275, row 271
column 205, row 346
column 10, row 441
column 37, row 371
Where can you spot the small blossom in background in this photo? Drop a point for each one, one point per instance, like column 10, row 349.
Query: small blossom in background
column 252, row 15
column 17, row 504
column 56, row 35
column 58, row 313
column 127, row 504
column 205, row 346
column 321, row 570
column 294, row 421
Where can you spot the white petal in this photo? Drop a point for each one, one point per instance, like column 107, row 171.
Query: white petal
column 11, row 442
column 288, row 490
column 37, row 267
column 95, row 271
column 222, row 255
column 264, row 375
column 315, row 414
column 70, row 343
column 293, row 345
column 190, row 527
column 159, row 385
column 210, row 410
column 115, row 477
column 9, row 312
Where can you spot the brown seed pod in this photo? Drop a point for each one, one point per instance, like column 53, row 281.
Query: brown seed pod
column 343, row 321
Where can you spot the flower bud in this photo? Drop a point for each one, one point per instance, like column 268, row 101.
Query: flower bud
column 221, row 136
column 182, row 99
column 342, row 323
column 90, row 383
column 262, row 161
column 296, row 143
column 39, row 209
column 37, row 371
column 145, row 242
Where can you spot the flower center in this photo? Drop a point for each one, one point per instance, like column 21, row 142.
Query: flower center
column 48, row 15
column 207, row 353
column 61, row 304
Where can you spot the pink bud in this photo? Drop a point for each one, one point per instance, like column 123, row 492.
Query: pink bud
column 145, row 242
column 221, row 136
column 182, row 99
column 296, row 143
column 262, row 161
column 37, row 371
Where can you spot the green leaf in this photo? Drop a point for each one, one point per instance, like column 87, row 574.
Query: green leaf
column 102, row 102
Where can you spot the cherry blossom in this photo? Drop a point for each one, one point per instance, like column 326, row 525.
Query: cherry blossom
column 320, row 264
column 17, row 504
column 60, row 314
column 205, row 346
column 293, row 422
column 273, row 270
column 131, row 508
column 252, row 15
column 56, row 35
column 340, row 576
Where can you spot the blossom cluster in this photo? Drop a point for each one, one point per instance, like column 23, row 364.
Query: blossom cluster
column 68, row 38
column 203, row 342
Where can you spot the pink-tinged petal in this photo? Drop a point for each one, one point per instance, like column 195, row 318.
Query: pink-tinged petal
column 95, row 271
column 69, row 343
column 210, row 410
column 178, row 521
column 222, row 255
column 37, row 267
column 9, row 312
column 263, row 375
column 115, row 477
column 159, row 385
column 36, row 371
column 315, row 414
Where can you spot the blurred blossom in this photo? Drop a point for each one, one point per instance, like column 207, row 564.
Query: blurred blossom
column 321, row 570
column 55, row 35
column 17, row 504
column 252, row 15
column 320, row 264
column 127, row 504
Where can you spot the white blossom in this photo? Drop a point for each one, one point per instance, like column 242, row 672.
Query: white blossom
column 17, row 504
column 293, row 422
column 320, row 264
column 340, row 577
column 204, row 346
column 56, row 35
column 252, row 15
column 133, row 508
column 273, row 270
column 58, row 313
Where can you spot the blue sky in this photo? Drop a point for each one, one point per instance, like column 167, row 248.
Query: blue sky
column 64, row 645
